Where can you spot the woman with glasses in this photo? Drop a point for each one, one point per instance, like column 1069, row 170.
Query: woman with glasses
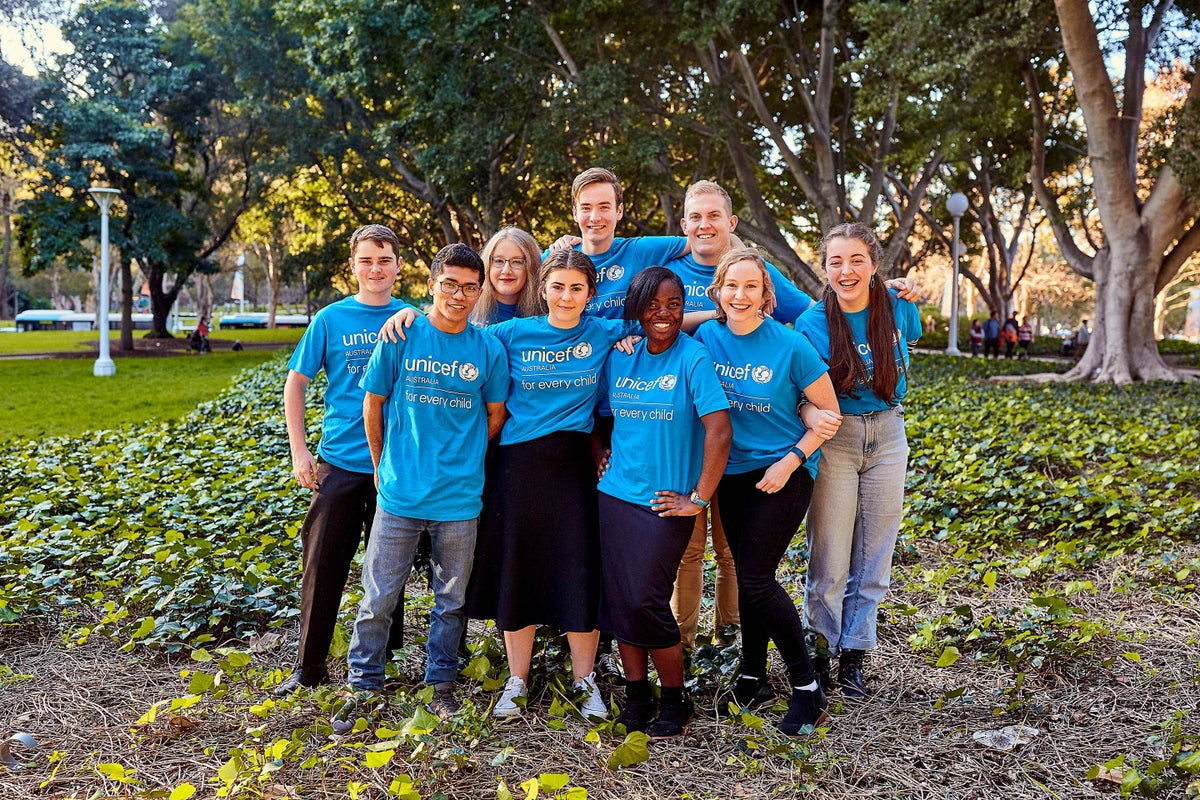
column 863, row 331
column 765, row 368
column 539, row 546
column 511, row 256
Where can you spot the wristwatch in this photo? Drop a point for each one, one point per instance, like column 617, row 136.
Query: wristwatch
column 799, row 454
column 695, row 498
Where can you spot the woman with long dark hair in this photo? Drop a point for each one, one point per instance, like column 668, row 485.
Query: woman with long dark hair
column 863, row 331
column 670, row 440
column 765, row 368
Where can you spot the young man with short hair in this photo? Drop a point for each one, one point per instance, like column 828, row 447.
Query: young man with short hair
column 432, row 402
column 339, row 340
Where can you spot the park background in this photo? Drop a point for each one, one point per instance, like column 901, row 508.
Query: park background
column 1046, row 574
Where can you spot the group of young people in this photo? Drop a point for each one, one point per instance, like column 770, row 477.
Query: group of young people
column 630, row 388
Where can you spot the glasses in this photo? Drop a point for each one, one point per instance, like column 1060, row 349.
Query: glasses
column 516, row 264
column 447, row 286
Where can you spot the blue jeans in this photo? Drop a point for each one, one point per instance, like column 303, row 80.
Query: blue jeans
column 389, row 559
column 853, row 522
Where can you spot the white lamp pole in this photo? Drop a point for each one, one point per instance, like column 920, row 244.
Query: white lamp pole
column 241, row 262
column 104, row 365
column 957, row 206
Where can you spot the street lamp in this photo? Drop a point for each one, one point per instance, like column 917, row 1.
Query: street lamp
column 241, row 283
column 956, row 204
column 104, row 365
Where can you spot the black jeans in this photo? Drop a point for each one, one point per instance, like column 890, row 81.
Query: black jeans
column 338, row 518
column 759, row 527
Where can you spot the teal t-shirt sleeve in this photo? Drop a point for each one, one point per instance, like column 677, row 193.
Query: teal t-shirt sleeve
column 707, row 394
column 807, row 366
column 309, row 356
column 382, row 370
column 658, row 250
column 908, row 320
column 495, row 389
column 790, row 302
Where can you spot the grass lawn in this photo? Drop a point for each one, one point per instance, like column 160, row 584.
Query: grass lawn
column 45, row 397
column 27, row 342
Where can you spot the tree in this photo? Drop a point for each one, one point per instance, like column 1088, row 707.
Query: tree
column 1148, row 213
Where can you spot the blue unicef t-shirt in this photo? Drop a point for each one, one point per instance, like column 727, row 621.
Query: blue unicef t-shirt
column 435, row 429
column 908, row 322
column 555, row 372
column 763, row 373
column 340, row 340
column 615, row 269
column 790, row 302
column 656, row 402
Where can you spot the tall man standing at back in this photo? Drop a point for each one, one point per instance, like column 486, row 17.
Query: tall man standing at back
column 444, row 388
column 339, row 340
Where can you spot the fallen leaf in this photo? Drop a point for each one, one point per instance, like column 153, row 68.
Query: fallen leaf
column 1007, row 738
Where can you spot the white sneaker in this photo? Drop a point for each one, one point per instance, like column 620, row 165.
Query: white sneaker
column 507, row 706
column 593, row 704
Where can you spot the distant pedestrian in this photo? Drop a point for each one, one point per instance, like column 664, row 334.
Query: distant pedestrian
column 1082, row 338
column 237, row 346
column 1024, row 339
column 991, row 336
column 1008, row 335
column 976, row 337
column 202, row 335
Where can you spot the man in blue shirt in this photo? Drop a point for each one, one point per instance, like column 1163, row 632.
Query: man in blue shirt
column 339, row 340
column 432, row 402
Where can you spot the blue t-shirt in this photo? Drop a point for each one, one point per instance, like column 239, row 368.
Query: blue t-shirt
column 340, row 340
column 790, row 302
column 625, row 258
column 764, row 373
column 435, row 429
column 555, row 373
column 656, row 402
column 908, row 322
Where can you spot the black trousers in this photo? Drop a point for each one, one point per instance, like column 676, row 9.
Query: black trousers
column 339, row 518
column 759, row 527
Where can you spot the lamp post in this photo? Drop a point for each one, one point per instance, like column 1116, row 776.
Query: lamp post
column 104, row 365
column 241, row 283
column 956, row 204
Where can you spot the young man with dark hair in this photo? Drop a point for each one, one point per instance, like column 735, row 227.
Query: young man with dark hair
column 432, row 402
column 339, row 340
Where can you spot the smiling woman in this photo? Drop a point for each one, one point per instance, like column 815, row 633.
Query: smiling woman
column 143, row 389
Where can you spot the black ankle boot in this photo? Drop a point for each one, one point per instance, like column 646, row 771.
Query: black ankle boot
column 850, row 674
column 747, row 694
column 639, row 706
column 673, row 716
column 821, row 668
column 805, row 707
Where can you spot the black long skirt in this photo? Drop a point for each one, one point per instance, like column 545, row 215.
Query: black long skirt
column 537, row 555
column 640, row 554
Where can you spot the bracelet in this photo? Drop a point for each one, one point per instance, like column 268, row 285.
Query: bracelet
column 694, row 497
column 799, row 454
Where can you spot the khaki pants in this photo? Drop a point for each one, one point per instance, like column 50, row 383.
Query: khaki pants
column 689, row 582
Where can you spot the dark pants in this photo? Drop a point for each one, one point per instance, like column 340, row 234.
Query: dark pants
column 759, row 527
column 991, row 346
column 338, row 518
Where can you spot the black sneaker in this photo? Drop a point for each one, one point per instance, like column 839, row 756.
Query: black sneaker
column 301, row 679
column 806, row 707
column 639, row 706
column 850, row 674
column 444, row 704
column 672, row 720
column 608, row 669
column 747, row 694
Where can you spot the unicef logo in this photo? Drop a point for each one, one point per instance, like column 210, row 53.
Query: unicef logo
column 667, row 382
column 582, row 350
column 468, row 372
column 615, row 272
column 761, row 374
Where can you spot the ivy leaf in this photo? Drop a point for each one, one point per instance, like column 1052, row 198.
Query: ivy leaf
column 182, row 792
column 949, row 655
column 553, row 781
column 632, row 751
column 377, row 760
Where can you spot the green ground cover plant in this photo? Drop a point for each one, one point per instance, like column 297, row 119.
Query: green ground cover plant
column 1046, row 576
column 61, row 398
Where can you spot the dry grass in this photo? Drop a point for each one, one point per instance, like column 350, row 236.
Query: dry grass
column 83, row 702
